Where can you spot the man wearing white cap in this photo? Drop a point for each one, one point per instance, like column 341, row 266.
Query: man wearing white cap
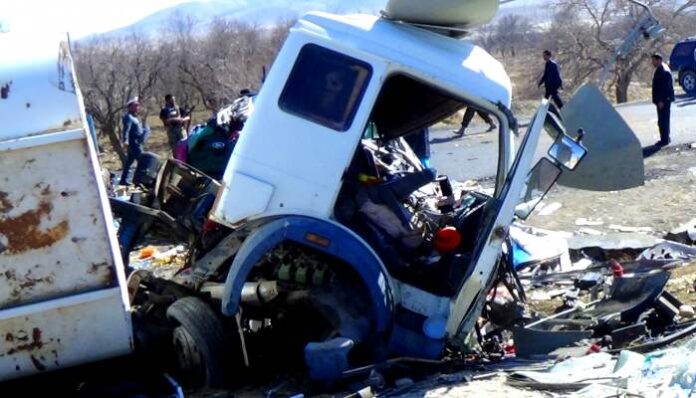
column 134, row 136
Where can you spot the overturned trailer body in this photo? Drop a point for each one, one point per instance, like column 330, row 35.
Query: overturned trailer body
column 62, row 295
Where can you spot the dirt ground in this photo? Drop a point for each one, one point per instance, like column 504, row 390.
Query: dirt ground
column 663, row 203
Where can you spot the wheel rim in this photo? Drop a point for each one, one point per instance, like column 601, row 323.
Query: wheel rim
column 187, row 355
column 689, row 82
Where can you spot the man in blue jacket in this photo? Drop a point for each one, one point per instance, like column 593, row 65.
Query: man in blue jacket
column 134, row 136
column 662, row 96
column 551, row 79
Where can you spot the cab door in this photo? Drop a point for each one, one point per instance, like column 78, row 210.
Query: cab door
column 466, row 305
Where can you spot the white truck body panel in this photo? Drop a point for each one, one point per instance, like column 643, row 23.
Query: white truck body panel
column 302, row 163
column 458, row 13
column 62, row 283
column 59, row 333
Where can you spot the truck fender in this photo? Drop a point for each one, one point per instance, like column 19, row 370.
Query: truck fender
column 323, row 235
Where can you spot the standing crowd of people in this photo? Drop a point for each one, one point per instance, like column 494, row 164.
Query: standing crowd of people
column 135, row 132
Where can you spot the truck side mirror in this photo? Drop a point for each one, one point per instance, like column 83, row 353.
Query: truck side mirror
column 567, row 151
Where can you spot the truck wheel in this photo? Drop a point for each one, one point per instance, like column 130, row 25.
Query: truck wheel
column 688, row 82
column 199, row 342
column 147, row 169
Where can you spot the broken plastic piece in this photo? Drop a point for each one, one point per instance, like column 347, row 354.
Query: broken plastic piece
column 589, row 280
column 530, row 342
column 669, row 251
column 447, row 239
column 616, row 268
column 329, row 359
column 147, row 252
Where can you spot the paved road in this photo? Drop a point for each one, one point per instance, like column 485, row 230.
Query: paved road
column 474, row 156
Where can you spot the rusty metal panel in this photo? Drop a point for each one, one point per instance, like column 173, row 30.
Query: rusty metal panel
column 52, row 236
column 61, row 333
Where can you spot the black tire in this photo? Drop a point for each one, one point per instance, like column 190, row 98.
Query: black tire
column 688, row 82
column 147, row 170
column 199, row 343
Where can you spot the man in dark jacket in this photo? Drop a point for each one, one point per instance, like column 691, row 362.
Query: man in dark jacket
column 662, row 96
column 134, row 136
column 173, row 121
column 551, row 79
column 466, row 120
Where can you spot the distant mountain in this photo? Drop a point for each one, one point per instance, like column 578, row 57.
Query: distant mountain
column 264, row 12
column 269, row 12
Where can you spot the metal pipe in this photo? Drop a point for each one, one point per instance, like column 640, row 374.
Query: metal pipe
column 259, row 293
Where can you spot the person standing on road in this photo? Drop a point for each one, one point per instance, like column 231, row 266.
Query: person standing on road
column 551, row 79
column 173, row 122
column 662, row 96
column 468, row 116
column 134, row 136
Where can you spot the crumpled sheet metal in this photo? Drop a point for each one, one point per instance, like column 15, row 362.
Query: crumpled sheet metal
column 614, row 158
column 669, row 251
column 530, row 342
column 665, row 373
column 529, row 249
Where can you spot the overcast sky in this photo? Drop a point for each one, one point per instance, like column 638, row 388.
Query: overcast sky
column 79, row 17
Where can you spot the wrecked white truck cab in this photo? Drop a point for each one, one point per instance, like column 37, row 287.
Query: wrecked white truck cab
column 332, row 75
column 327, row 199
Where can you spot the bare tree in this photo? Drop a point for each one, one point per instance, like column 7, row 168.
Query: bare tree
column 201, row 65
column 110, row 72
column 228, row 57
column 486, row 37
column 511, row 33
column 181, row 32
column 586, row 33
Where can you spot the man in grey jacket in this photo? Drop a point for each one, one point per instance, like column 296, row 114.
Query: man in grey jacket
column 133, row 136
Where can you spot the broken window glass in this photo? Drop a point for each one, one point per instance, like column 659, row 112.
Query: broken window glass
column 325, row 87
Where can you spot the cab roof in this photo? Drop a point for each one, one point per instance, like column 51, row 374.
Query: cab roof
column 460, row 66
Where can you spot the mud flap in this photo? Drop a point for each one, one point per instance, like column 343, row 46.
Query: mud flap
column 614, row 155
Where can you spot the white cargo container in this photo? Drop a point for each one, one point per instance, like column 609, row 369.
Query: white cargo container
column 62, row 286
